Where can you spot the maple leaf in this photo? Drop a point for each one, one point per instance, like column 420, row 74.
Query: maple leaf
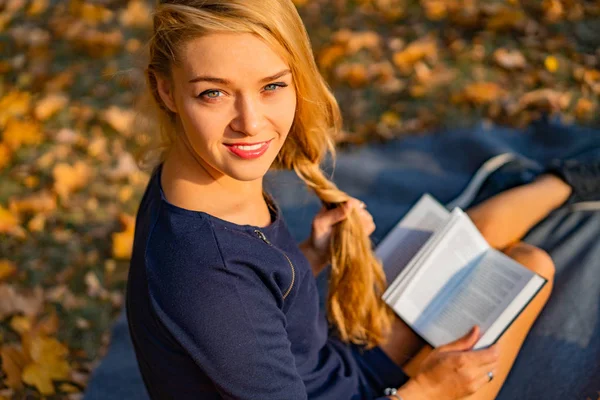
column 119, row 119
column 48, row 362
column 14, row 360
column 414, row 52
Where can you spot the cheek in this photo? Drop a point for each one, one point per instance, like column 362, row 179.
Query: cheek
column 201, row 125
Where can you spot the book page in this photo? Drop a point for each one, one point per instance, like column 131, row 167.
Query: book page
column 408, row 236
column 447, row 262
column 479, row 299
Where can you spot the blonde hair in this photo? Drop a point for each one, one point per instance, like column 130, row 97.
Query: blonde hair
column 354, row 304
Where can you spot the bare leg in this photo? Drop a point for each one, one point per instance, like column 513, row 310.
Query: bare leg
column 503, row 220
column 538, row 261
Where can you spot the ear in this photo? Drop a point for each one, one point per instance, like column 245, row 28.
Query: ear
column 165, row 91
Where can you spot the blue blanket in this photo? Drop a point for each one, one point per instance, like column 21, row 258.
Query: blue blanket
column 560, row 358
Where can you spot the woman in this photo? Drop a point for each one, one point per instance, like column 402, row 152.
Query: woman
column 221, row 301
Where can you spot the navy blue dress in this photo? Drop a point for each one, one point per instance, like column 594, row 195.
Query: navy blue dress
column 218, row 310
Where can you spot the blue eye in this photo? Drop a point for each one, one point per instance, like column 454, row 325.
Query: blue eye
column 274, row 86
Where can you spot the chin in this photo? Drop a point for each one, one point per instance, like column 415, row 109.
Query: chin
column 248, row 172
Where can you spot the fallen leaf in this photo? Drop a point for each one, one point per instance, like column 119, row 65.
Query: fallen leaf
column 5, row 156
column 551, row 64
column 18, row 133
column 14, row 360
column 510, row 59
column 414, row 52
column 7, row 269
column 123, row 241
column 21, row 324
column 548, row 99
column 41, row 202
column 119, row 119
column 69, row 178
column 9, row 222
column 137, row 15
column 50, row 105
column 14, row 104
column 482, row 92
column 26, row 301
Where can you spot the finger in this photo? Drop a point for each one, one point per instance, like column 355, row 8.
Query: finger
column 333, row 216
column 465, row 342
column 484, row 378
column 484, row 357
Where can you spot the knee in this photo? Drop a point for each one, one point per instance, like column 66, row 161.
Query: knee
column 534, row 258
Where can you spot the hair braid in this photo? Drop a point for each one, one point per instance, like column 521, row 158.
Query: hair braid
column 357, row 281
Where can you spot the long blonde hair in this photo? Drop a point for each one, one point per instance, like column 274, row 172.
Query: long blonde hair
column 354, row 304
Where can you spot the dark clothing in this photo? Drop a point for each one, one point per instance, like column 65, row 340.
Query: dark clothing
column 220, row 310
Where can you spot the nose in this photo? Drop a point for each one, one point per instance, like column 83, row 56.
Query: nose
column 249, row 118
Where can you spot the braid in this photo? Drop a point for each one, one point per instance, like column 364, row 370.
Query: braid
column 357, row 281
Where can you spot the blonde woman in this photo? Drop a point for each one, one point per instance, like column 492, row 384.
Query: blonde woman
column 221, row 302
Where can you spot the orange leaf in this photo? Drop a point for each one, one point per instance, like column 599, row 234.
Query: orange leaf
column 482, row 92
column 69, row 178
column 18, row 133
column 14, row 104
column 5, row 155
column 9, row 222
column 123, row 241
column 7, row 268
column 50, row 105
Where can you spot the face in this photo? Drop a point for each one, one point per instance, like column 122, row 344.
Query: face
column 235, row 100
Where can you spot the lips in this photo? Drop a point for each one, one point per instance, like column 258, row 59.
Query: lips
column 249, row 150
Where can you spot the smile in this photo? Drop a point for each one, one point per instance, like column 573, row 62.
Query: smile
column 249, row 151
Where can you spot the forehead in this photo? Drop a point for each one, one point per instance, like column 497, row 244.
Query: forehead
column 230, row 56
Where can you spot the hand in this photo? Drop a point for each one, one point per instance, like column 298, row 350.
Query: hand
column 454, row 371
column 316, row 247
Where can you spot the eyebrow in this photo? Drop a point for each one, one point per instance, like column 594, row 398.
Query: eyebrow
column 204, row 78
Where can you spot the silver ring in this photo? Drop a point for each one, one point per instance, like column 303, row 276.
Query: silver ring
column 490, row 376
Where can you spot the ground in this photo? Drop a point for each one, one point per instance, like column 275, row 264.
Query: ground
column 69, row 186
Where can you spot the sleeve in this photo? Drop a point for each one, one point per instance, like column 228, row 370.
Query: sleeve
column 229, row 322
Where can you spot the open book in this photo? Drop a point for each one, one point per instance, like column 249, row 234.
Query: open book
column 445, row 278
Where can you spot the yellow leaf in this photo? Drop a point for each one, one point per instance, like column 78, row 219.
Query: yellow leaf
column 18, row 133
column 50, row 105
column 123, row 241
column 95, row 14
column 69, row 178
column 14, row 104
column 551, row 64
column 37, row 7
column 119, row 119
column 14, row 360
column 43, row 201
column 68, row 388
column 8, row 221
column 7, row 268
column 37, row 223
column 5, row 155
column 137, row 14
column 20, row 324
column 38, row 376
column 413, row 53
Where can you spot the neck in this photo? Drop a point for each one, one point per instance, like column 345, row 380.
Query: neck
column 191, row 183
